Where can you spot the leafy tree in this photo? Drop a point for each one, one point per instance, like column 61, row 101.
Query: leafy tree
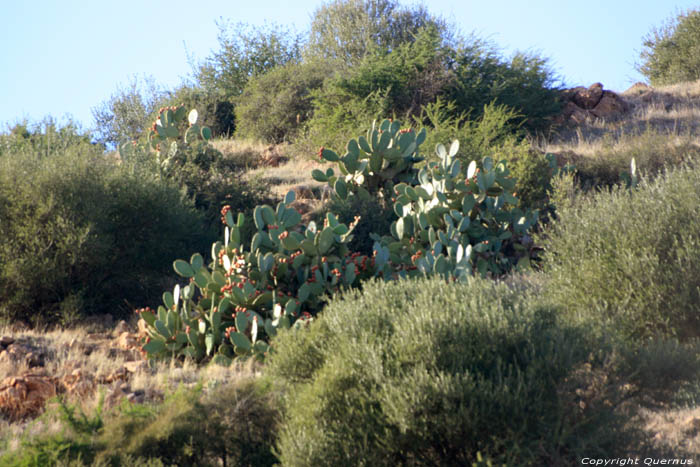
column 244, row 52
column 346, row 31
column 671, row 53
column 128, row 112
column 274, row 105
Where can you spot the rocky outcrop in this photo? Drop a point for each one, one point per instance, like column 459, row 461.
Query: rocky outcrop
column 25, row 395
column 582, row 104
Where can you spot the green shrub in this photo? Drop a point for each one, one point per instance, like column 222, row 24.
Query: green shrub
column 274, row 105
column 670, row 54
column 628, row 258
column 82, row 235
column 525, row 83
column 231, row 425
column 235, row 424
column 422, row 372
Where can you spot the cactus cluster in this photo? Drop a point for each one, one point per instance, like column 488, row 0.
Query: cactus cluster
column 278, row 278
column 174, row 131
column 374, row 163
column 451, row 223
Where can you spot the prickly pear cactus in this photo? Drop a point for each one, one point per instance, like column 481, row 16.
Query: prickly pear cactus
column 450, row 225
column 277, row 279
column 374, row 163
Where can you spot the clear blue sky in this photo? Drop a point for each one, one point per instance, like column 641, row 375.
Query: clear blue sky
column 63, row 57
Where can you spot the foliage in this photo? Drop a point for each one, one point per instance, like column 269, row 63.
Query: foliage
column 670, row 53
column 237, row 303
column 375, row 216
column 47, row 138
column 625, row 257
column 524, row 83
column 182, row 153
column 397, row 82
column 446, row 226
column 69, row 225
column 125, row 115
column 217, row 111
column 344, row 32
column 436, row 207
column 245, row 52
column 421, row 372
column 234, row 425
column 274, row 105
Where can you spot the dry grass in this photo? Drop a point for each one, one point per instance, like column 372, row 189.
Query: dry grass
column 291, row 174
column 672, row 112
column 675, row 430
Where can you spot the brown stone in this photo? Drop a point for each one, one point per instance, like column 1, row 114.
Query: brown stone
column 574, row 113
column 610, row 106
column 127, row 341
column 118, row 375
column 142, row 328
column 121, row 328
column 25, row 395
column 5, row 341
column 588, row 98
column 78, row 382
column 18, row 353
column 271, row 157
column 638, row 89
column 135, row 367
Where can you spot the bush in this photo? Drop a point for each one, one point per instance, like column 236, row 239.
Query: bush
column 428, row 373
column 525, row 83
column 273, row 106
column 671, row 53
column 83, row 236
column 375, row 216
column 232, row 425
column 628, row 258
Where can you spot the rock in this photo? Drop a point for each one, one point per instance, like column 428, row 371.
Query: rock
column 638, row 89
column 691, row 427
column 574, row 113
column 588, row 98
column 142, row 328
column 136, row 397
column 120, row 374
column 78, row 382
column 18, row 353
column 610, row 106
column 127, row 341
column 81, row 347
column 121, row 328
column 271, row 157
column 25, row 395
column 135, row 367
column 5, row 341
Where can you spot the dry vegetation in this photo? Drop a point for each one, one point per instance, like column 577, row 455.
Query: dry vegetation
column 88, row 363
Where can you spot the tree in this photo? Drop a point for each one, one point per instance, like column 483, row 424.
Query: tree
column 128, row 112
column 244, row 52
column 345, row 31
column 671, row 53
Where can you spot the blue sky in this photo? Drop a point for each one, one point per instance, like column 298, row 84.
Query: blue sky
column 64, row 57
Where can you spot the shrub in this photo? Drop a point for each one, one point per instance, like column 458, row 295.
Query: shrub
column 273, row 106
column 83, row 236
column 421, row 372
column 375, row 216
column 525, row 83
column 627, row 257
column 232, row 425
column 670, row 53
